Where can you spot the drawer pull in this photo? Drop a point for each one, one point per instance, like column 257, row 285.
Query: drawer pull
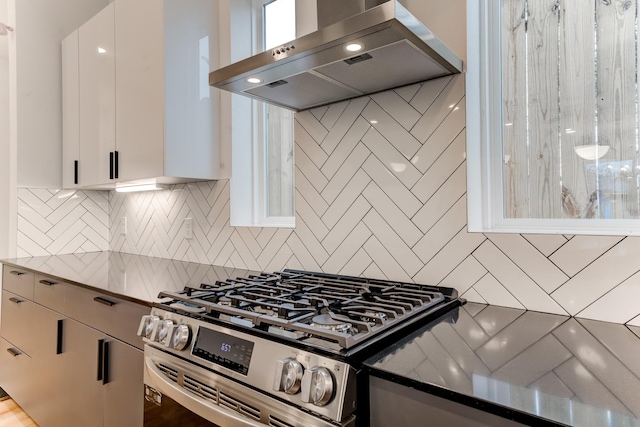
column 14, row 352
column 47, row 282
column 16, row 300
column 17, row 273
column 104, row 301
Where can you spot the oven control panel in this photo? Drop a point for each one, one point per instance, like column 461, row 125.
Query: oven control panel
column 318, row 383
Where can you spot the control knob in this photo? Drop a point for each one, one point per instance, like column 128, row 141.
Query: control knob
column 180, row 337
column 317, row 386
column 288, row 376
column 147, row 325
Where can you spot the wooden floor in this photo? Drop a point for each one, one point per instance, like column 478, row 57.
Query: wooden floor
column 11, row 415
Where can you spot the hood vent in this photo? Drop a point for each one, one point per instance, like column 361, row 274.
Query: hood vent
column 316, row 69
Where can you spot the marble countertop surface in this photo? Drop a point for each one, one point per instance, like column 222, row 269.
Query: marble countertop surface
column 133, row 277
column 566, row 370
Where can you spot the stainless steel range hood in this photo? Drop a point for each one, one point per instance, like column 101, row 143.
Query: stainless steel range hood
column 316, row 69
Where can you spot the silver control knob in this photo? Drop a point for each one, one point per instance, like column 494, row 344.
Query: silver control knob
column 288, row 376
column 163, row 332
column 181, row 337
column 317, row 386
column 147, row 325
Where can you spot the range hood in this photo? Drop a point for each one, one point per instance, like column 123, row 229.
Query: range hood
column 317, row 69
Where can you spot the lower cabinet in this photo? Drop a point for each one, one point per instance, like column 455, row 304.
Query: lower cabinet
column 62, row 370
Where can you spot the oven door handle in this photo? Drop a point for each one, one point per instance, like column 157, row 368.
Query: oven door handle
column 196, row 404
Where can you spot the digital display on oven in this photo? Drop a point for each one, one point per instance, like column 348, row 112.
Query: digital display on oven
column 225, row 350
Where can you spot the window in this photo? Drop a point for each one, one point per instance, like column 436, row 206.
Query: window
column 552, row 117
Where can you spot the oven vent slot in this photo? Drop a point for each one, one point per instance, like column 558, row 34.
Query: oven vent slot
column 200, row 389
column 275, row 422
column 172, row 374
column 236, row 405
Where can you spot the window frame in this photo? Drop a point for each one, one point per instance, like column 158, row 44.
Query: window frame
column 485, row 137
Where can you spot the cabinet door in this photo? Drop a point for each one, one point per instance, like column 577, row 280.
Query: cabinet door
column 70, row 111
column 16, row 375
column 80, row 364
column 140, row 88
column 97, row 98
column 124, row 388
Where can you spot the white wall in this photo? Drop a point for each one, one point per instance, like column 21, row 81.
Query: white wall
column 40, row 26
column 6, row 225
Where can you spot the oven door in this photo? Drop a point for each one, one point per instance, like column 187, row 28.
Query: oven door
column 211, row 399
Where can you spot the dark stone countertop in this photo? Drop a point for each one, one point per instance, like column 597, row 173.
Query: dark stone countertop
column 523, row 365
column 132, row 277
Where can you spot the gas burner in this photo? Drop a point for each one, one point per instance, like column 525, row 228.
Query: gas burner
column 226, row 301
column 325, row 321
column 369, row 315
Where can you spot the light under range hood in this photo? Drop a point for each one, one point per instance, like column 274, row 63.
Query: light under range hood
column 317, row 69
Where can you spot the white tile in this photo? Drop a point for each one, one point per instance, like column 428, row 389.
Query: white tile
column 349, row 247
column 310, row 147
column 472, row 296
column 249, row 240
column 397, row 107
column 357, row 264
column 347, row 222
column 494, row 293
column 272, row 249
column 408, row 92
column 266, row 233
column 604, row 274
column 349, row 194
column 353, row 163
column 310, row 241
column 581, row 251
column 374, row 272
column 465, row 275
column 442, row 169
column 546, row 243
column 244, row 253
column 312, row 125
column 71, row 230
column 310, row 194
column 428, row 93
column 392, row 214
column 63, row 226
column 345, row 147
column 392, row 187
column 445, row 103
column 459, row 350
column 34, row 219
column 530, row 260
column 303, row 256
column 279, row 260
column 343, row 124
column 27, row 247
column 333, row 114
column 403, row 255
column 614, row 305
column 391, row 130
column 318, row 112
column 391, row 158
column 635, row 322
column 385, row 262
column 446, row 196
column 310, row 171
column 443, row 231
column 456, row 251
column 525, row 290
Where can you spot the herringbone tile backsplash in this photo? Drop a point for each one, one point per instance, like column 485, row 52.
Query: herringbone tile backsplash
column 380, row 192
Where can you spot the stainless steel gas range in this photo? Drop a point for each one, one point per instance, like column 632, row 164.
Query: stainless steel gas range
column 279, row 349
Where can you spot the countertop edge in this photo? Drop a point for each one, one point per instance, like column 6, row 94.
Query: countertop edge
column 82, row 285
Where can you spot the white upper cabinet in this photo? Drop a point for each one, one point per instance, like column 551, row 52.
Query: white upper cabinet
column 70, row 111
column 97, row 98
column 163, row 123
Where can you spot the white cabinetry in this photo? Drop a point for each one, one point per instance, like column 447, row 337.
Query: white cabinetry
column 147, row 109
column 70, row 111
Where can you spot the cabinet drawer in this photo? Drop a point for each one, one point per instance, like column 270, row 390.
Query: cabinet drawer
column 17, row 281
column 16, row 374
column 111, row 315
column 18, row 321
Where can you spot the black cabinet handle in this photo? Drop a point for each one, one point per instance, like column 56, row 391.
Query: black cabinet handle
column 110, row 164
column 105, row 363
column 115, row 169
column 17, row 273
column 47, row 282
column 14, row 352
column 75, row 171
column 100, row 359
column 16, row 300
column 104, row 301
column 59, row 337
